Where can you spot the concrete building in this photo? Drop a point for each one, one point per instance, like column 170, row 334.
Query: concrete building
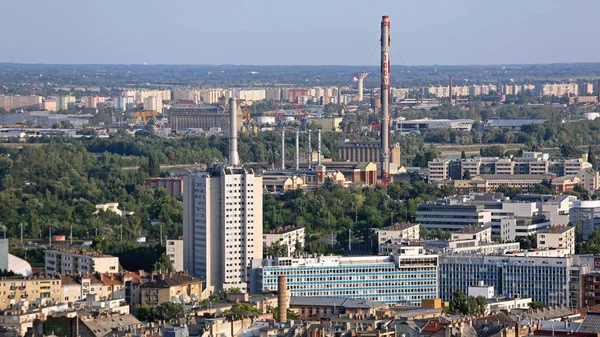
column 400, row 279
column 422, row 125
column 275, row 182
column 590, row 179
column 557, row 237
column 288, row 236
column 587, row 213
column 171, row 287
column 453, row 217
column 399, row 232
column 64, row 261
column 366, row 152
column 560, row 89
column 557, row 209
column 173, row 185
column 514, row 227
column 222, row 225
column 548, row 279
column 37, row 289
column 326, row 124
column 251, row 94
column 10, row 102
column 153, row 103
column 470, row 246
column 201, row 116
column 174, row 250
column 479, row 233
column 591, row 288
column 313, row 308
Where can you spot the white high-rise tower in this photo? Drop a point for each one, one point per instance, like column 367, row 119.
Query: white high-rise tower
column 222, row 222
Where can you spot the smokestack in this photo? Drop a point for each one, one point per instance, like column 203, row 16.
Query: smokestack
column 234, row 158
column 309, row 151
column 282, row 298
column 373, row 99
column 283, row 149
column 297, row 150
column 319, row 147
column 385, row 99
column 360, row 76
column 598, row 88
column 339, row 95
column 450, row 90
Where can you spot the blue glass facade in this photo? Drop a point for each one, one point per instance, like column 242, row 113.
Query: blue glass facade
column 542, row 279
column 403, row 281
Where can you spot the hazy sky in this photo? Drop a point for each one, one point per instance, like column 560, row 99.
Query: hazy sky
column 307, row 32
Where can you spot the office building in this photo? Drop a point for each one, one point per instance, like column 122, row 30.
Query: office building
column 222, row 221
column 400, row 279
column 290, row 237
column 445, row 215
column 8, row 102
column 366, row 152
column 552, row 280
column 174, row 250
column 470, row 246
column 64, row 261
column 399, row 232
column 32, row 290
column 560, row 236
column 557, row 209
column 201, row 116
column 171, row 287
column 587, row 213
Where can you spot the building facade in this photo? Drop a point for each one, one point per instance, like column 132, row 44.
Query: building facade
column 452, row 217
column 405, row 279
column 40, row 289
column 201, row 116
column 174, row 251
column 174, row 186
column 166, row 287
column 399, row 232
column 557, row 237
column 366, row 152
column 290, row 237
column 222, row 225
column 587, row 213
column 79, row 262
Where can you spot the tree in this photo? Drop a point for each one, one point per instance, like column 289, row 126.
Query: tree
column 234, row 290
column 143, row 312
column 241, row 310
column 169, row 311
column 540, row 189
column 153, row 166
column 472, row 306
column 458, row 303
column 536, row 305
column 292, row 315
column 481, row 305
column 163, row 265
column 467, row 175
column 592, row 158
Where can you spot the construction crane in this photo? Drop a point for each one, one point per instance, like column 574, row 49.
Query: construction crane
column 144, row 115
column 302, row 118
column 248, row 122
column 278, row 117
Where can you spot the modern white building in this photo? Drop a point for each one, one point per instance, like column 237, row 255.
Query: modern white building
column 479, row 233
column 174, row 250
column 515, row 227
column 290, row 237
column 399, row 232
column 400, row 279
column 560, row 236
column 557, row 209
column 453, row 217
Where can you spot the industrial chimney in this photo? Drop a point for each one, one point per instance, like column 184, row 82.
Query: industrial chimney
column 319, row 147
column 282, row 298
column 234, row 158
column 385, row 100
column 283, row 149
column 450, row 90
column 309, row 150
column 297, row 151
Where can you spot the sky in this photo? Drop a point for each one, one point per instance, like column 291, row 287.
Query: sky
column 307, row 32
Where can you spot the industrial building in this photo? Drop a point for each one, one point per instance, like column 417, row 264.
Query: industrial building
column 400, row 279
column 366, row 152
column 201, row 116
column 421, row 125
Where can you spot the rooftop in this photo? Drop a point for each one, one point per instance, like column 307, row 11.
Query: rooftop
column 283, row 230
column 334, row 301
column 170, row 280
column 400, row 226
column 473, row 230
column 558, row 229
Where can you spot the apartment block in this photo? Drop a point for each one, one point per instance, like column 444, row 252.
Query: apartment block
column 222, row 225
column 172, row 287
column 288, row 236
column 587, row 213
column 560, row 89
column 79, row 262
column 201, row 116
column 399, row 232
column 36, row 289
column 400, row 279
column 174, row 250
column 591, row 289
column 327, row 124
column 8, row 102
column 560, row 236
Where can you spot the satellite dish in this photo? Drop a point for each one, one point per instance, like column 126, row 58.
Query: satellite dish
column 195, row 298
column 184, row 298
column 174, row 299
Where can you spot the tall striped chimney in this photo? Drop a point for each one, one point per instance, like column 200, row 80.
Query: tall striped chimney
column 234, row 158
